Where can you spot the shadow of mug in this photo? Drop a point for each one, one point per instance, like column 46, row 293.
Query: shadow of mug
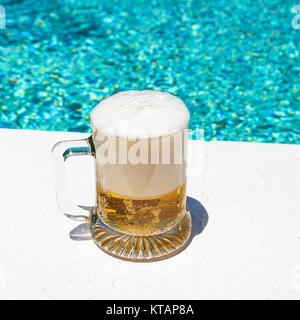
column 199, row 216
column 199, row 221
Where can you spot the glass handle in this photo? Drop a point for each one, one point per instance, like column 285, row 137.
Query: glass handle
column 60, row 153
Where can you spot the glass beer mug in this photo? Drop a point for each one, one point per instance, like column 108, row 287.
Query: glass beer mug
column 139, row 143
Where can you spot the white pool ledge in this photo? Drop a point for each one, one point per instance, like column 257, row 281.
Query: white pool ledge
column 249, row 248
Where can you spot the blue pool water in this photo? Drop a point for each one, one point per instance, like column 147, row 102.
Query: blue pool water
column 235, row 63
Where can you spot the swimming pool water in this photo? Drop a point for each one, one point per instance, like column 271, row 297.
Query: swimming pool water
column 234, row 63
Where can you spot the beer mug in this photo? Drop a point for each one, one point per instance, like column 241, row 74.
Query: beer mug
column 139, row 143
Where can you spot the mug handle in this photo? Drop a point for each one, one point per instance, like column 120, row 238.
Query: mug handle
column 60, row 153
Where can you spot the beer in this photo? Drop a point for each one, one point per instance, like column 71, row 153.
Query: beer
column 140, row 145
column 146, row 216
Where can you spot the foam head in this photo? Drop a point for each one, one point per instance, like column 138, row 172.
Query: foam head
column 140, row 114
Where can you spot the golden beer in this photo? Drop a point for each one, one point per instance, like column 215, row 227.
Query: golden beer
column 139, row 146
column 141, row 216
column 139, row 141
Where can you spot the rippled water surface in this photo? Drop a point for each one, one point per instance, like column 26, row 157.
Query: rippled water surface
column 234, row 63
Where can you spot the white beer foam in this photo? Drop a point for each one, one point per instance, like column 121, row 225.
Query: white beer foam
column 140, row 114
